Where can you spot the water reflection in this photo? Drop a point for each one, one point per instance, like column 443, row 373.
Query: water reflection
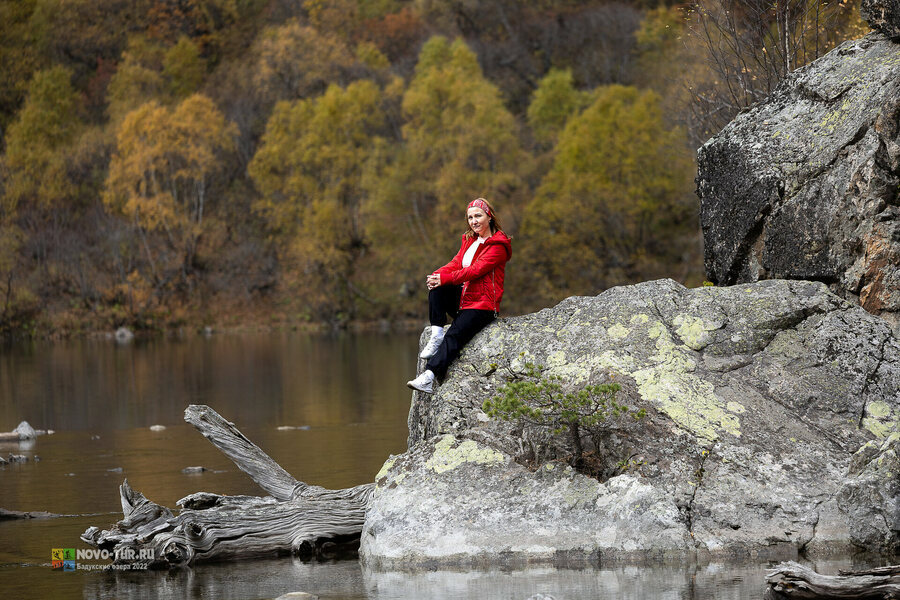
column 269, row 579
column 348, row 393
column 256, row 379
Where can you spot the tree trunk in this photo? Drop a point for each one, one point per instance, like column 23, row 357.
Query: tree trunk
column 298, row 518
column 791, row 580
column 575, row 433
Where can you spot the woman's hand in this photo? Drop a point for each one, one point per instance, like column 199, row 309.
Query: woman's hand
column 433, row 281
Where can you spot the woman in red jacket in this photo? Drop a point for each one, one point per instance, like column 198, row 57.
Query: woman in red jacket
column 468, row 288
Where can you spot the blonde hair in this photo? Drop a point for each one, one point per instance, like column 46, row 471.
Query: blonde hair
column 495, row 222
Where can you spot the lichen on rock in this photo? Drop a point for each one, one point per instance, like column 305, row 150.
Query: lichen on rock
column 805, row 185
column 759, row 397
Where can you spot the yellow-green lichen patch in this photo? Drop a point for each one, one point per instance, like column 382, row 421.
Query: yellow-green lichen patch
column 382, row 475
column 735, row 407
column 640, row 319
column 573, row 373
column 879, row 410
column 691, row 402
column 694, row 331
column 556, row 358
column 449, row 455
column 386, row 467
column 880, row 419
column 617, row 331
column 581, row 492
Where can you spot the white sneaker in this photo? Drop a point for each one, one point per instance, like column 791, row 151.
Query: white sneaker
column 437, row 336
column 423, row 383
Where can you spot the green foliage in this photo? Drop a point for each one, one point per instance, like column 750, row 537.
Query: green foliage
column 616, row 201
column 184, row 68
column 309, row 170
column 38, row 140
column 553, row 102
column 657, row 42
column 547, row 401
column 18, row 56
column 137, row 80
column 368, row 54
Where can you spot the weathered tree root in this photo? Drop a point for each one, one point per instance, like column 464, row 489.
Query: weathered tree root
column 791, row 580
column 297, row 518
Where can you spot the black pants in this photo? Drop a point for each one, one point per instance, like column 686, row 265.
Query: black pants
column 444, row 300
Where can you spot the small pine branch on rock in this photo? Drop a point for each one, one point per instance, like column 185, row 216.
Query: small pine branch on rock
column 547, row 401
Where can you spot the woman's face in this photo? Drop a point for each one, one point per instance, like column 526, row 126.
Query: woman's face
column 479, row 221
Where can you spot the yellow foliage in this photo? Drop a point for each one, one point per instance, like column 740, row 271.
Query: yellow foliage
column 618, row 195
column 308, row 170
column 38, row 141
column 297, row 61
column 160, row 172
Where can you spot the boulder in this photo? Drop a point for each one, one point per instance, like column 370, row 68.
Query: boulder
column 25, row 431
column 771, row 429
column 882, row 15
column 805, row 185
column 452, row 500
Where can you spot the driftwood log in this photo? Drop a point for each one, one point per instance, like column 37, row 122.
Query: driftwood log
column 297, row 518
column 23, row 432
column 790, row 580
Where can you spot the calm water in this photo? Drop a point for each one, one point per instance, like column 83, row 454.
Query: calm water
column 344, row 395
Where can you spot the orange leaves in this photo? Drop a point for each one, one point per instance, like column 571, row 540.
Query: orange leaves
column 296, row 61
column 395, row 33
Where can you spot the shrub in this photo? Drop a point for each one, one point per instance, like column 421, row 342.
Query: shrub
column 548, row 401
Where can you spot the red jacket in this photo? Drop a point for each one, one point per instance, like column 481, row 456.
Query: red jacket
column 482, row 281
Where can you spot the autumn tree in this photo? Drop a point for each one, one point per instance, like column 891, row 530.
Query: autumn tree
column 19, row 58
column 458, row 142
column 161, row 174
column 183, row 67
column 18, row 304
column 138, row 78
column 751, row 45
column 308, row 171
column 616, row 203
column 38, row 140
column 553, row 102
column 297, row 61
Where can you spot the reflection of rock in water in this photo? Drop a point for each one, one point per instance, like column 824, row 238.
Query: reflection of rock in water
column 348, row 580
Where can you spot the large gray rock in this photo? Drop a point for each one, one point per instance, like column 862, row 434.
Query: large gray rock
column 882, row 15
column 805, row 185
column 458, row 501
column 772, row 425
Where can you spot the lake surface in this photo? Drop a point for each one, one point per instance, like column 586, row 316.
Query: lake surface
column 345, row 402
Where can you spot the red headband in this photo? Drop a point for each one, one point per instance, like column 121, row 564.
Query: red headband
column 479, row 203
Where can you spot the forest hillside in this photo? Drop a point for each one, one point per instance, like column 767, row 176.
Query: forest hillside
column 282, row 163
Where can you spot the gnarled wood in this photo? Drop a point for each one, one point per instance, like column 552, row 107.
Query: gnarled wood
column 299, row 518
column 791, row 580
column 248, row 457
